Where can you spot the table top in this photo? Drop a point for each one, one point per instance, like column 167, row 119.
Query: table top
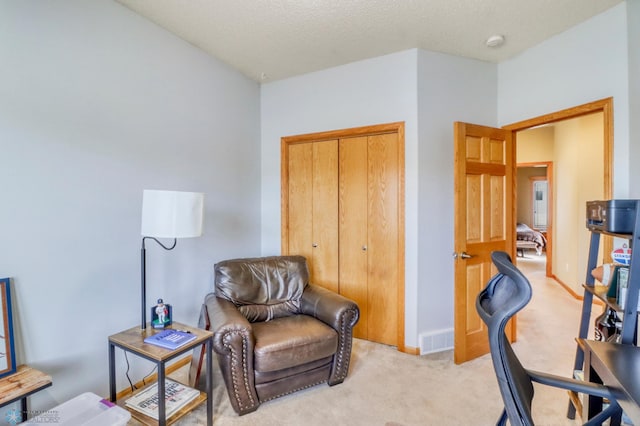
column 133, row 340
column 24, row 381
column 619, row 368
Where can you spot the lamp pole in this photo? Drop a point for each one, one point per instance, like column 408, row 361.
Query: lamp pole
column 143, row 277
column 143, row 289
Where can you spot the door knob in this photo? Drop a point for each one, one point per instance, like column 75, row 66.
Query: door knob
column 364, row 248
column 314, row 245
column 462, row 255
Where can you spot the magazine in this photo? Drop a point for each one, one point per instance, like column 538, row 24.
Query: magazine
column 177, row 396
column 170, row 338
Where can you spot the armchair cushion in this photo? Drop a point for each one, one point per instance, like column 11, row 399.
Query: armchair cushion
column 291, row 341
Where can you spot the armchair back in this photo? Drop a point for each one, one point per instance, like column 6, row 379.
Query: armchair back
column 263, row 288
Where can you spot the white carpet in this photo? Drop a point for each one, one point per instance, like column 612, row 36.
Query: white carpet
column 389, row 388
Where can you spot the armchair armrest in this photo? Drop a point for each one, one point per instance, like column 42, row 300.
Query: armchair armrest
column 331, row 308
column 233, row 341
column 339, row 313
column 228, row 325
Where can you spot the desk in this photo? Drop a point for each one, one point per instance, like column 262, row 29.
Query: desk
column 18, row 386
column 618, row 367
column 132, row 341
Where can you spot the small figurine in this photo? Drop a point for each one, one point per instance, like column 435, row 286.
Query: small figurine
column 161, row 315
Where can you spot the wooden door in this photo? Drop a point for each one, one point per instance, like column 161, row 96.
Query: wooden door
column 325, row 215
column 483, row 204
column 300, row 199
column 369, row 228
column 353, row 209
column 369, row 219
column 313, row 208
column 382, row 241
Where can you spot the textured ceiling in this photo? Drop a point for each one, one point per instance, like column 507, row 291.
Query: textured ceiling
column 273, row 39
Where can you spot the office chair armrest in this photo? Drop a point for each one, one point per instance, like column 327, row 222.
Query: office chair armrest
column 588, row 388
column 571, row 384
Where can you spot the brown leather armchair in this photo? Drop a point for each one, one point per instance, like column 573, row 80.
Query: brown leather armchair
column 274, row 333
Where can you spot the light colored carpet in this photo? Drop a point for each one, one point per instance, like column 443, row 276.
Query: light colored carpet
column 388, row 388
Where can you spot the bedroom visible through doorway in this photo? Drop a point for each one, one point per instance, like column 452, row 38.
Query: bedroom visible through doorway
column 572, row 156
column 534, row 210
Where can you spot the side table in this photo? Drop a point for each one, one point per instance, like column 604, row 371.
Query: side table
column 132, row 340
column 19, row 385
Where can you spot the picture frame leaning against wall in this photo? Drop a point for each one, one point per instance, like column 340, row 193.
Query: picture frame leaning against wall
column 7, row 348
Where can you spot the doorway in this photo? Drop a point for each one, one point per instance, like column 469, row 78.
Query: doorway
column 540, row 201
column 534, row 213
column 577, row 146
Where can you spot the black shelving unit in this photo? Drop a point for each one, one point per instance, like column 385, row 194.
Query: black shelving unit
column 630, row 311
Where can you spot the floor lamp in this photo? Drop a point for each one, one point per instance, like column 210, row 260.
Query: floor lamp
column 167, row 214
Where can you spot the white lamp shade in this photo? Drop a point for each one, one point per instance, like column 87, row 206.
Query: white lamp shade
column 172, row 214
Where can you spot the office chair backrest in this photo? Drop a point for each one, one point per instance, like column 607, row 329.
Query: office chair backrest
column 507, row 293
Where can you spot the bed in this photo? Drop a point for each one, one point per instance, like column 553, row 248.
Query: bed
column 527, row 238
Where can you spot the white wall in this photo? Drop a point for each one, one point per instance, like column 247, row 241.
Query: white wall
column 97, row 104
column 578, row 178
column 633, row 28
column 583, row 64
column 373, row 91
column 449, row 89
column 412, row 86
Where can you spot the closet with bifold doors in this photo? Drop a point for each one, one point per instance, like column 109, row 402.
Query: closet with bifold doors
column 343, row 209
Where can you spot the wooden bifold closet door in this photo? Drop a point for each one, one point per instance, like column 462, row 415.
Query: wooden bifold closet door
column 343, row 209
column 313, row 203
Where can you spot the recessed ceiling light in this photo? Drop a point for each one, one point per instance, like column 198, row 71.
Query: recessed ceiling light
column 496, row 40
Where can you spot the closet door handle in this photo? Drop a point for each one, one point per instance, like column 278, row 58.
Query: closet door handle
column 314, row 245
column 364, row 248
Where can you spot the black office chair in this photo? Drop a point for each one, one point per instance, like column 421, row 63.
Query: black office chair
column 507, row 293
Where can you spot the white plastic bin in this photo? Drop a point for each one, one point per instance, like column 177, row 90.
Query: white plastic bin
column 86, row 409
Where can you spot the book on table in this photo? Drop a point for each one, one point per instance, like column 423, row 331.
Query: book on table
column 177, row 396
column 170, row 338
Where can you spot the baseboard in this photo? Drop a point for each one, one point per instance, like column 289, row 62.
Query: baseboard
column 572, row 292
column 566, row 287
column 410, row 350
column 436, row 341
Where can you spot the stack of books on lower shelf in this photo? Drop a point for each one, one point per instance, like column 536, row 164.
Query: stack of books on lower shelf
column 177, row 396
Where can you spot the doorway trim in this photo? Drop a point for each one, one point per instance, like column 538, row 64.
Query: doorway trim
column 603, row 105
